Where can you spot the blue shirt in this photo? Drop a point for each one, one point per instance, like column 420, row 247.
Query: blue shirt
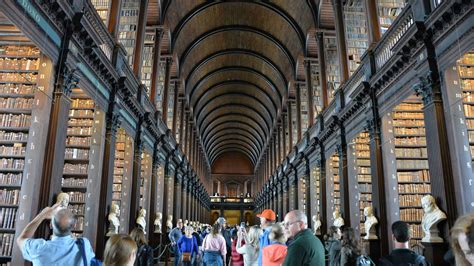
column 264, row 241
column 186, row 244
column 57, row 251
column 175, row 234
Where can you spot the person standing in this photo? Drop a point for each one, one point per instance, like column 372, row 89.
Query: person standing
column 174, row 235
column 267, row 219
column 214, row 248
column 350, row 250
column 225, row 232
column 188, row 247
column 237, row 258
column 333, row 245
column 145, row 252
column 305, row 249
column 275, row 253
column 62, row 249
column 401, row 254
column 251, row 247
column 120, row 249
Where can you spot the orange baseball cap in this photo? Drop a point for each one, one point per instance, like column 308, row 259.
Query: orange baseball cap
column 268, row 214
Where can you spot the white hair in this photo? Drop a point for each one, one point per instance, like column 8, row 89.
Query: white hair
column 300, row 216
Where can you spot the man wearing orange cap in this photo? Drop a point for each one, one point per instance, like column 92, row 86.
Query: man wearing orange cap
column 267, row 219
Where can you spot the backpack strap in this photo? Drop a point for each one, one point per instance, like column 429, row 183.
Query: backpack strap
column 82, row 250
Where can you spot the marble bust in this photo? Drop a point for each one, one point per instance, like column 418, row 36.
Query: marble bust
column 317, row 223
column 141, row 222
column 169, row 223
column 63, row 199
column 114, row 222
column 369, row 224
column 433, row 215
column 338, row 220
column 157, row 222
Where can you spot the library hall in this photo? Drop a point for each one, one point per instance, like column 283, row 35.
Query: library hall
column 236, row 132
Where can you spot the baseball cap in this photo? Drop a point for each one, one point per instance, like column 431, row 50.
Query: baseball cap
column 268, row 214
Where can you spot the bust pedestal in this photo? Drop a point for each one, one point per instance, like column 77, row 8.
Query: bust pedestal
column 434, row 252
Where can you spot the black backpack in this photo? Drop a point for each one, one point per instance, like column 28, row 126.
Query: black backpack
column 418, row 260
column 144, row 256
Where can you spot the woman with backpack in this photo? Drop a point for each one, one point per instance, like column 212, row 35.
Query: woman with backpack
column 144, row 252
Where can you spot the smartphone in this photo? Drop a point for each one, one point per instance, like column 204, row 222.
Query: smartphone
column 242, row 225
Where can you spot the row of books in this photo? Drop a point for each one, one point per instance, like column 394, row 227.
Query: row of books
column 80, row 122
column 365, row 188
column 13, row 136
column 411, row 214
column 7, row 218
column 20, row 103
column 15, row 120
column 15, row 150
column 17, row 164
column 10, row 178
column 75, row 153
column 415, row 176
column 86, row 131
column 18, row 77
column 412, row 164
column 412, row 152
column 17, row 50
column 408, row 131
column 77, row 196
column 75, row 168
column 410, row 141
column 410, row 200
column 466, row 71
column 414, row 188
column 82, row 103
column 82, row 141
column 467, row 84
column 10, row 197
column 16, row 89
column 81, row 113
column 74, row 182
column 6, row 244
column 18, row 64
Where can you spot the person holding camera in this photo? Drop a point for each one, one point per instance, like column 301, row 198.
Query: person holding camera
column 251, row 247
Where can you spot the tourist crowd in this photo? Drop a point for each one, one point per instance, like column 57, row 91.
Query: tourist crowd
column 290, row 242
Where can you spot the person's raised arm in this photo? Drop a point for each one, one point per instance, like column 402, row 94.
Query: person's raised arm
column 30, row 228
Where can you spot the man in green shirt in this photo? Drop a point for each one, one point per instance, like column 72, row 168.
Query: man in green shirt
column 305, row 249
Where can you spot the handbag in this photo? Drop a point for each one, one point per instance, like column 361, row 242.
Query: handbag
column 186, row 256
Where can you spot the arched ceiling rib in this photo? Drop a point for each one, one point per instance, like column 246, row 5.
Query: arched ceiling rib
column 236, row 59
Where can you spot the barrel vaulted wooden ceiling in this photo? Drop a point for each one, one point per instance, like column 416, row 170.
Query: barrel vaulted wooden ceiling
column 237, row 62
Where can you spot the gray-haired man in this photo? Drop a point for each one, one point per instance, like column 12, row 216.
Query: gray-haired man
column 62, row 248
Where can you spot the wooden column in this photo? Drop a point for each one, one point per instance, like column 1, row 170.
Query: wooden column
column 164, row 110
column 372, row 21
column 136, row 175
column 378, row 179
column 140, row 39
column 112, row 124
column 175, row 108
column 344, row 178
column 341, row 41
column 177, row 198
column 65, row 80
column 323, row 191
column 181, row 123
column 114, row 18
column 290, row 124
column 154, row 208
column 309, row 89
column 298, row 112
column 278, row 140
column 439, row 158
column 156, row 64
column 322, row 69
column 283, row 121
